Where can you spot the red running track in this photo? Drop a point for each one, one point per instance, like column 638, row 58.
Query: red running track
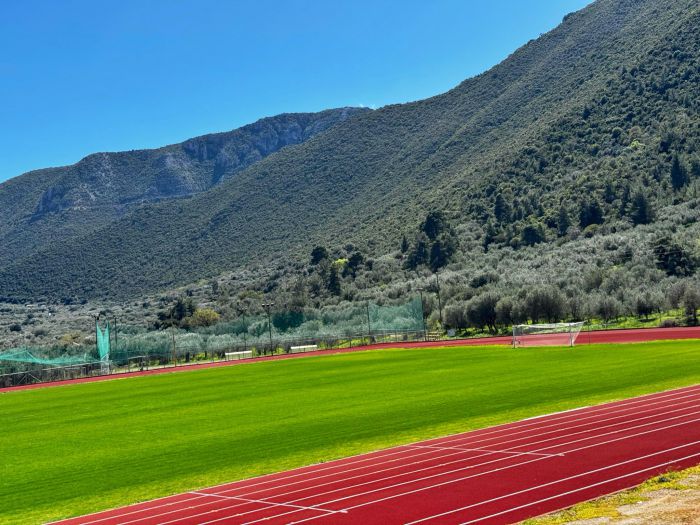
column 495, row 475
column 636, row 335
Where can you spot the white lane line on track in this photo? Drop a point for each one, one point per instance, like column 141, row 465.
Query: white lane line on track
column 360, row 458
column 646, row 400
column 344, row 472
column 569, row 414
column 430, row 487
column 190, row 507
column 655, row 467
column 558, row 425
column 513, row 452
column 568, row 478
column 270, row 503
column 431, row 467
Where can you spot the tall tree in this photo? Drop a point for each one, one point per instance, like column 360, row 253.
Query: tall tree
column 679, row 174
column 334, row 280
column 434, row 224
column 625, row 201
column 641, row 212
column 591, row 213
column 440, row 252
column 354, row 262
column 532, row 234
column 501, row 209
column 673, row 258
column 404, row 244
column 419, row 254
column 318, row 254
column 490, row 234
column 563, row 221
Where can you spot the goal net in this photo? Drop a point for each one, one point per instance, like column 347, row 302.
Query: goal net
column 552, row 334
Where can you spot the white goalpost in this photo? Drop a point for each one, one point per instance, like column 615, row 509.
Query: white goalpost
column 551, row 334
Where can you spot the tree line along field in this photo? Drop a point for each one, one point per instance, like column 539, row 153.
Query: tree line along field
column 76, row 449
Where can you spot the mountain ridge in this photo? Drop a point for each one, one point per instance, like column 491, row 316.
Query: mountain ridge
column 370, row 179
column 103, row 186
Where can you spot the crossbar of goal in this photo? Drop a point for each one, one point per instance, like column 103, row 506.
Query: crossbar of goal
column 550, row 334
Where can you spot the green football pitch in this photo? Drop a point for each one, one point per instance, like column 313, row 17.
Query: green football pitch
column 75, row 449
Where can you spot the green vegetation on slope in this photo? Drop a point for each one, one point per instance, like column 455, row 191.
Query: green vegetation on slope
column 591, row 129
column 81, row 448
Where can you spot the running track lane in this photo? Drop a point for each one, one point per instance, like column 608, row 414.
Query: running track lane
column 636, row 335
column 495, row 475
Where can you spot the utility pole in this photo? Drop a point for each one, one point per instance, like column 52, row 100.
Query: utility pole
column 267, row 307
column 422, row 315
column 437, row 280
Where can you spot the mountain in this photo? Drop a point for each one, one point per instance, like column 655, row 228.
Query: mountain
column 571, row 130
column 55, row 205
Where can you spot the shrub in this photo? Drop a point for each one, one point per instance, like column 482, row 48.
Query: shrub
column 204, row 317
column 481, row 311
column 691, row 303
column 608, row 308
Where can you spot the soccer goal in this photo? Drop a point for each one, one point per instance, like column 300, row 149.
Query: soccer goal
column 552, row 334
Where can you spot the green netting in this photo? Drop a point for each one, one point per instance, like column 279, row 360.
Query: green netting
column 25, row 356
column 397, row 318
column 102, row 341
column 358, row 323
column 289, row 327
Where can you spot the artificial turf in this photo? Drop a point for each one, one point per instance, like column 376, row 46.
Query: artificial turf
column 76, row 449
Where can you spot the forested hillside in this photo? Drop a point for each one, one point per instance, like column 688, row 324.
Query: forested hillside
column 579, row 152
column 55, row 206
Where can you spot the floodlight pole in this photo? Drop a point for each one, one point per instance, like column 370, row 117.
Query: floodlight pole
column 241, row 311
column 116, row 340
column 369, row 325
column 172, row 333
column 97, row 318
column 267, row 307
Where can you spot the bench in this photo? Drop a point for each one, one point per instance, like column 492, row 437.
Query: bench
column 238, row 355
column 433, row 336
column 303, row 348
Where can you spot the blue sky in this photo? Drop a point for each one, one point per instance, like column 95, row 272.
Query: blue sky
column 81, row 76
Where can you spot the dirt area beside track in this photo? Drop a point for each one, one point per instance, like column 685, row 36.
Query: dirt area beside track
column 664, row 500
